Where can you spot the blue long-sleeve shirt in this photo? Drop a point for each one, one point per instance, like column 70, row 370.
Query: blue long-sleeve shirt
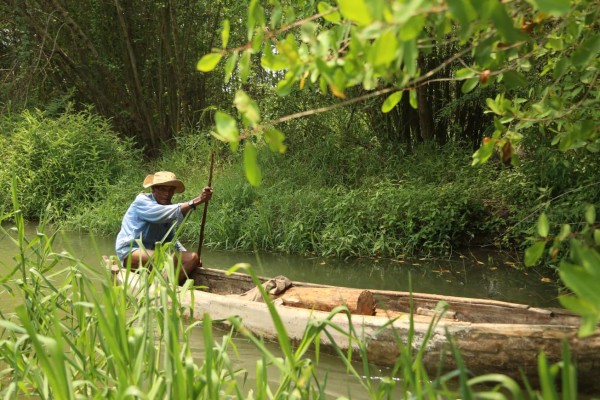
column 147, row 222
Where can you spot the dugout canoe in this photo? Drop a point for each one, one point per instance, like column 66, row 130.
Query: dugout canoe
column 492, row 336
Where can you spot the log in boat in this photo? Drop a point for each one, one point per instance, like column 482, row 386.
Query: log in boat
column 492, row 336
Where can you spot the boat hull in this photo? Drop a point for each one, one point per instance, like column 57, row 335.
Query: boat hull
column 492, row 336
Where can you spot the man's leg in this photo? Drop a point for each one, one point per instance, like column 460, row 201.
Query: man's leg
column 189, row 262
column 139, row 258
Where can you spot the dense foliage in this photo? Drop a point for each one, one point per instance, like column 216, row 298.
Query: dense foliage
column 133, row 62
column 319, row 198
column 359, row 86
column 357, row 50
column 61, row 162
column 538, row 58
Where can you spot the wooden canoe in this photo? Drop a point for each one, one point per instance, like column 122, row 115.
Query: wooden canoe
column 493, row 336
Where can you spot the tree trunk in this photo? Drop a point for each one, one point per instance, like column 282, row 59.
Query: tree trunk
column 139, row 98
column 358, row 301
column 426, row 126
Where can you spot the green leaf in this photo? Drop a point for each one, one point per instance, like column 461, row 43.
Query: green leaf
column 247, row 107
column 289, row 49
column 555, row 8
column 589, row 314
column 257, row 40
column 332, row 16
column 464, row 73
column 576, row 305
column 534, row 253
column 276, row 14
column 208, row 62
column 284, row 87
column 565, row 231
column 484, row 8
column 274, row 139
column 583, row 283
column 463, row 11
column 469, row 85
column 495, row 105
column 483, row 153
column 411, row 53
column 339, row 81
column 590, row 214
column 391, row 101
column 356, row 11
column 588, row 325
column 412, row 28
column 256, row 17
column 308, row 32
column 251, row 21
column 412, row 97
column 245, row 65
column 225, row 34
column 597, row 237
column 259, row 15
column 557, row 44
column 505, row 24
column 559, row 68
column 384, row 48
column 514, row 79
column 227, row 130
column 485, row 51
column 251, row 168
column 543, row 227
column 230, row 65
column 322, row 84
column 586, row 51
column 274, row 62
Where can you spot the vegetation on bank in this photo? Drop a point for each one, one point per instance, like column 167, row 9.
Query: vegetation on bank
column 411, row 90
column 321, row 197
column 61, row 162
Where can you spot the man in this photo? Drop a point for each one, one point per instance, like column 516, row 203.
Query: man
column 152, row 218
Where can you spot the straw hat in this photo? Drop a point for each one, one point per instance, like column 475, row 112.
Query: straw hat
column 164, row 178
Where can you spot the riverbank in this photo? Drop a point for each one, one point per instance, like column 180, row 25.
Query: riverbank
column 405, row 208
column 362, row 199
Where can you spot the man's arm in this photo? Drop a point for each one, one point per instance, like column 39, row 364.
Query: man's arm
column 203, row 197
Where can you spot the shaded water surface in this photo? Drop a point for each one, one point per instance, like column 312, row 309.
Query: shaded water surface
column 473, row 274
column 482, row 276
column 469, row 274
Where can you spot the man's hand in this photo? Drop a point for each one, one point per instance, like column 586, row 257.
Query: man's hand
column 205, row 195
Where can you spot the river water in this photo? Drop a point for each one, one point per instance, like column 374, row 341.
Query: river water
column 471, row 274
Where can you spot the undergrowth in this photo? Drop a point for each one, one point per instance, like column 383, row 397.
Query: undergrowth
column 339, row 194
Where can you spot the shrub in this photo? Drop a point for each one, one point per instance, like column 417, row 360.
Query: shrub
column 61, row 162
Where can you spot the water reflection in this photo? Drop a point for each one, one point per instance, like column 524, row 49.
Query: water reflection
column 466, row 277
column 329, row 368
column 481, row 275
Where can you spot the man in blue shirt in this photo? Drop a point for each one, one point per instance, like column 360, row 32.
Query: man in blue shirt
column 152, row 218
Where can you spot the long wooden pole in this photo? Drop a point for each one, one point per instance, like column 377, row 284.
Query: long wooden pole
column 210, row 174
